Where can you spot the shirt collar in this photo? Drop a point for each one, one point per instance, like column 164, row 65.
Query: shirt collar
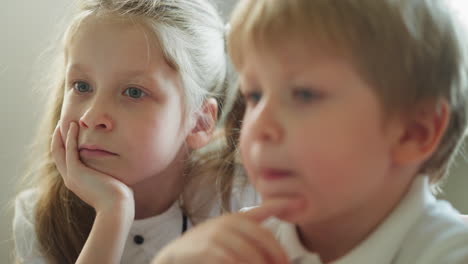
column 170, row 220
column 382, row 245
column 289, row 239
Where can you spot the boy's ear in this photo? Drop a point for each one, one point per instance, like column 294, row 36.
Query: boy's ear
column 422, row 133
column 205, row 124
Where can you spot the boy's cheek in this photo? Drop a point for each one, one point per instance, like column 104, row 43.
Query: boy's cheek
column 248, row 168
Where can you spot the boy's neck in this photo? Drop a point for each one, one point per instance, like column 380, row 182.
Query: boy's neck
column 336, row 237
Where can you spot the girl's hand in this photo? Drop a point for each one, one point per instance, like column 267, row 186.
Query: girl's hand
column 234, row 238
column 103, row 192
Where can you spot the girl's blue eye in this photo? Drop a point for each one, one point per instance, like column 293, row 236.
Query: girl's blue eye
column 81, row 87
column 134, row 92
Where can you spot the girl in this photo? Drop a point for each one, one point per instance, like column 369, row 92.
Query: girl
column 136, row 98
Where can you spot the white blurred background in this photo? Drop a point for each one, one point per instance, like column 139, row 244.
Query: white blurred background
column 26, row 28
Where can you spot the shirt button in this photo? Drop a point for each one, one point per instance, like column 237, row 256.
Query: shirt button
column 138, row 239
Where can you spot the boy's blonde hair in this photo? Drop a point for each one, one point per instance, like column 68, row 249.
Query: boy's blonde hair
column 191, row 35
column 410, row 51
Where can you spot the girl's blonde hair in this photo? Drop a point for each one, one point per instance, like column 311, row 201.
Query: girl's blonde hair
column 191, row 34
column 412, row 52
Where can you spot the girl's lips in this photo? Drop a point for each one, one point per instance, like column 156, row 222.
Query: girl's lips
column 94, row 151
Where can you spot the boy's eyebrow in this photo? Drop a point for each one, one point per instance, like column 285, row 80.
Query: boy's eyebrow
column 245, row 81
column 241, row 86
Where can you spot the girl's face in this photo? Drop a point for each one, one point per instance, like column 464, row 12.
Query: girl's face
column 127, row 101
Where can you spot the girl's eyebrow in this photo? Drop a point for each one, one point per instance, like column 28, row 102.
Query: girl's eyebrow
column 77, row 68
column 126, row 73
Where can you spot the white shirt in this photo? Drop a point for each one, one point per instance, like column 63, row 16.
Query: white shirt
column 421, row 230
column 156, row 231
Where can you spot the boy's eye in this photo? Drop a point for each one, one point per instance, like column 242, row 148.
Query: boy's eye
column 253, row 97
column 81, row 87
column 134, row 92
column 305, row 95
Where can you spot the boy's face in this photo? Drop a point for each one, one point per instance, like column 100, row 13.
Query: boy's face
column 314, row 129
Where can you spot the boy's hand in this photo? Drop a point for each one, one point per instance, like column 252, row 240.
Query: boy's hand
column 233, row 238
column 103, row 192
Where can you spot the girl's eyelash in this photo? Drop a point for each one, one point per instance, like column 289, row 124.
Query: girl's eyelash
column 135, row 92
column 81, row 86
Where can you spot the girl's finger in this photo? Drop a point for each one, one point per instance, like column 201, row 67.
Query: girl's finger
column 58, row 151
column 71, row 146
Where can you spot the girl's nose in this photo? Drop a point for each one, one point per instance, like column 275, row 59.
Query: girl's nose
column 96, row 117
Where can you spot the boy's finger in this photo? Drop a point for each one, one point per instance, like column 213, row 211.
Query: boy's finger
column 241, row 250
column 270, row 208
column 261, row 241
column 58, row 151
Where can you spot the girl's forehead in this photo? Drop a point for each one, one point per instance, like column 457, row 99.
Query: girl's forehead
column 112, row 24
column 109, row 19
column 116, row 34
column 113, row 46
column 93, row 23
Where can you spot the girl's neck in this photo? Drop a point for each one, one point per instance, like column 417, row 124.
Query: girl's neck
column 336, row 237
column 157, row 194
column 151, row 201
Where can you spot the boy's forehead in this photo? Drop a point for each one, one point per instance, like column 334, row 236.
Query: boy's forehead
column 299, row 68
column 289, row 55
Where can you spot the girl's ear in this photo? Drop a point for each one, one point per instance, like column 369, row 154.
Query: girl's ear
column 422, row 134
column 205, row 125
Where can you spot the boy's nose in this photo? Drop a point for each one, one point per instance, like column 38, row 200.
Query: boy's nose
column 266, row 125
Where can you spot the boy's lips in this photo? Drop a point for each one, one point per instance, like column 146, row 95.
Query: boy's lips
column 275, row 174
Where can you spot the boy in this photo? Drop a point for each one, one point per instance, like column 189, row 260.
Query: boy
column 354, row 109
